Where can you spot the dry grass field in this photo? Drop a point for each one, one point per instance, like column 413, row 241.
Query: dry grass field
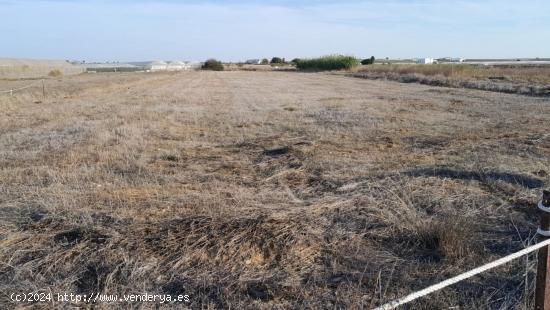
column 12, row 68
column 518, row 73
column 516, row 79
column 268, row 190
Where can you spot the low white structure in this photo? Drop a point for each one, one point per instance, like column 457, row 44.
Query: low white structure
column 193, row 65
column 172, row 66
column 157, row 66
column 253, row 62
column 149, row 66
column 450, row 60
column 176, row 66
column 425, row 61
column 110, row 67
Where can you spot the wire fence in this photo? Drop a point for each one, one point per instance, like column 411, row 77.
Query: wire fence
column 436, row 287
column 14, row 90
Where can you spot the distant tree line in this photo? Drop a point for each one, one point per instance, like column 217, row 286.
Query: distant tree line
column 331, row 62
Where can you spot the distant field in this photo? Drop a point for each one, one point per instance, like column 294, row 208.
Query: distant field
column 270, row 190
column 528, row 80
column 23, row 68
column 529, row 74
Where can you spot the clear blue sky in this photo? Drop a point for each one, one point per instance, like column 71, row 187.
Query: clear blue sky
column 102, row 30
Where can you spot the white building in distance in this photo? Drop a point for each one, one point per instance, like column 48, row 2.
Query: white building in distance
column 157, row 66
column 148, row 66
column 450, row 60
column 425, row 61
column 253, row 62
column 172, row 66
column 193, row 65
column 176, row 66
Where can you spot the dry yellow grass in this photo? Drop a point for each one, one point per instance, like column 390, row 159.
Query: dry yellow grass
column 529, row 74
column 525, row 80
column 27, row 68
column 268, row 189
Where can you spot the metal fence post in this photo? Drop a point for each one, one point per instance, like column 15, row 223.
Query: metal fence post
column 542, row 291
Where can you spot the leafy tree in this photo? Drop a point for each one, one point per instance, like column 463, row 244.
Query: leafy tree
column 265, row 61
column 277, row 60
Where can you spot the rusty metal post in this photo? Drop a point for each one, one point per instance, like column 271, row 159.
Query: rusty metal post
column 542, row 291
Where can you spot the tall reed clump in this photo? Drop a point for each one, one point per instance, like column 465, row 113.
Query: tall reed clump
column 326, row 63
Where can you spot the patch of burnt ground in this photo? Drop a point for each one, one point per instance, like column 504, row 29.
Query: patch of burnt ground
column 76, row 235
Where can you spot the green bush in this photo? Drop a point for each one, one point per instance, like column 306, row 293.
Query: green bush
column 277, row 60
column 265, row 61
column 326, row 63
column 213, row 64
column 368, row 61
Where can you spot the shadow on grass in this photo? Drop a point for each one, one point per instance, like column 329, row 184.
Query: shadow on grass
column 508, row 177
